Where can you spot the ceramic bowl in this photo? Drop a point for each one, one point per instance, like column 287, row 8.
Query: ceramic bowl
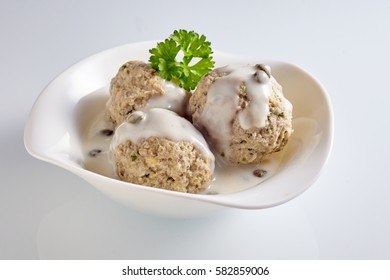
column 52, row 134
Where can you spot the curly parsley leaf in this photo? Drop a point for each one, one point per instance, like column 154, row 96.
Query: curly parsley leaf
column 196, row 62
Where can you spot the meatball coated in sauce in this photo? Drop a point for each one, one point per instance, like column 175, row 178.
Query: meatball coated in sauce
column 165, row 164
column 160, row 149
column 137, row 86
column 242, row 113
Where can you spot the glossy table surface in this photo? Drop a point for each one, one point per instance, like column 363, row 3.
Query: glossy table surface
column 48, row 213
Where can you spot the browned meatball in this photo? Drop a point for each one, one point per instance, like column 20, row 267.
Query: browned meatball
column 162, row 163
column 226, row 107
column 137, row 86
column 160, row 149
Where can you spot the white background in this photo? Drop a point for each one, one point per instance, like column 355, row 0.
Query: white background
column 48, row 213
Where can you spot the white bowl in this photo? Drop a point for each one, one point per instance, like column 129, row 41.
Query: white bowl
column 52, row 134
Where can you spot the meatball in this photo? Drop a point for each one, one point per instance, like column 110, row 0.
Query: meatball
column 160, row 149
column 242, row 113
column 137, row 86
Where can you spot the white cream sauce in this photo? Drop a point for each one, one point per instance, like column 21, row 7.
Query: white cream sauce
column 174, row 98
column 222, row 102
column 227, row 178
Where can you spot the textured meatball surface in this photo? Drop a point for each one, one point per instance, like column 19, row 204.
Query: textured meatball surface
column 246, row 146
column 133, row 86
column 162, row 163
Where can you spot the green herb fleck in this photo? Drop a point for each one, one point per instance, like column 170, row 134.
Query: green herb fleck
column 133, row 157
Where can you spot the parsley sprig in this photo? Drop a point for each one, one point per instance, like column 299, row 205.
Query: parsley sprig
column 184, row 73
